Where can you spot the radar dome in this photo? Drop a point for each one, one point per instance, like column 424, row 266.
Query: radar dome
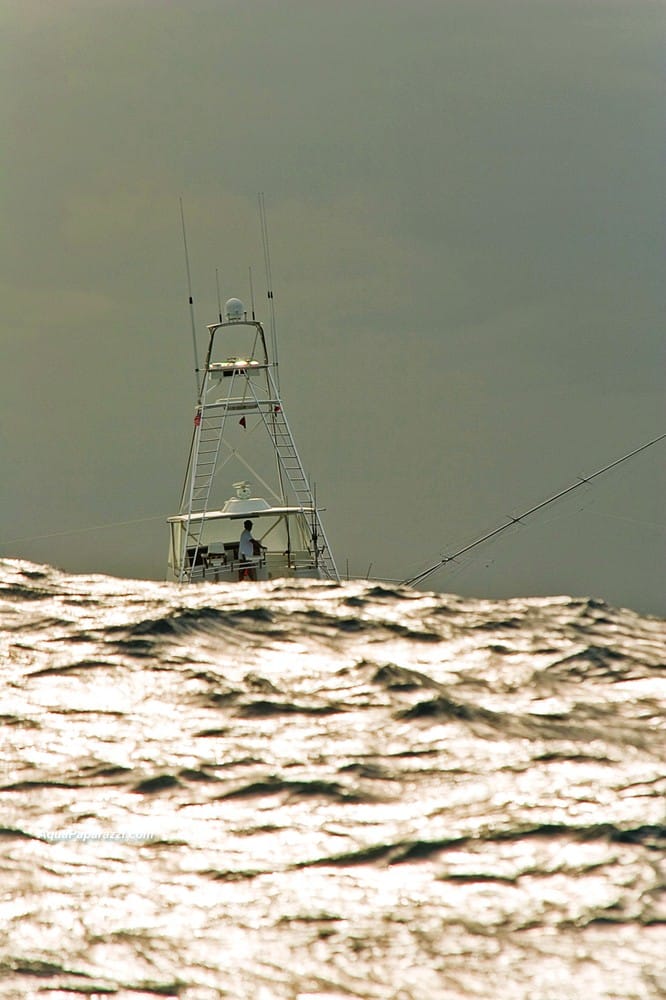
column 234, row 310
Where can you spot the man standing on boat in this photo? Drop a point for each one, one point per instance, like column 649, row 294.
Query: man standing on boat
column 246, row 550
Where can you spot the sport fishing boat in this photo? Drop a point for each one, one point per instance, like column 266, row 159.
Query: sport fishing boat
column 240, row 427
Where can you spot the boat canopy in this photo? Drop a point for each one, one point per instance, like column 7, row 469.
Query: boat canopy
column 224, row 515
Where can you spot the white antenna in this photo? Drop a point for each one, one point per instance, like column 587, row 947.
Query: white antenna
column 254, row 316
column 189, row 293
column 269, row 284
column 219, row 301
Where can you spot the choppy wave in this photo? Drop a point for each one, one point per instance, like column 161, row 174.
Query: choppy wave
column 303, row 790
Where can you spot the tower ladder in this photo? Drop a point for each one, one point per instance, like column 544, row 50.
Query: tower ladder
column 277, row 426
column 208, row 435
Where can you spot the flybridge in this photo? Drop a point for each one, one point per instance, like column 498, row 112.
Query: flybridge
column 240, row 423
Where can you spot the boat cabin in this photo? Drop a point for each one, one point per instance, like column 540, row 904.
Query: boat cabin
column 282, row 542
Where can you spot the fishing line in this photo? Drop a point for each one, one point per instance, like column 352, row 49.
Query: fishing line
column 630, row 520
column 78, row 531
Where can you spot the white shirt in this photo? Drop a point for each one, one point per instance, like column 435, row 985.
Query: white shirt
column 245, row 546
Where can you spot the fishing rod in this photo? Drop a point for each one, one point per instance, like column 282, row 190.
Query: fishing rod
column 582, row 480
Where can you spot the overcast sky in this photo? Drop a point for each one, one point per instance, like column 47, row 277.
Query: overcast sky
column 465, row 206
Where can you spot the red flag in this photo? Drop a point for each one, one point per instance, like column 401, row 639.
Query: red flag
column 242, row 422
column 197, row 419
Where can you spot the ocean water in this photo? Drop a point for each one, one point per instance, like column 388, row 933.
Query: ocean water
column 306, row 791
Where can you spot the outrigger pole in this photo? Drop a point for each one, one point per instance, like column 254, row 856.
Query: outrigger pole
column 269, row 285
column 191, row 299
column 420, row 577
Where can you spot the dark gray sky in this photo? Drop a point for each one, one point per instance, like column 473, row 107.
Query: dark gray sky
column 464, row 202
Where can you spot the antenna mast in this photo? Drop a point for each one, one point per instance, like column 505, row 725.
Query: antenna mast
column 269, row 284
column 191, row 300
column 219, row 302
column 251, row 294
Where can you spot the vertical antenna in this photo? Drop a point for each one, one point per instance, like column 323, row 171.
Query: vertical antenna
column 189, row 293
column 269, row 284
column 251, row 294
column 219, row 303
